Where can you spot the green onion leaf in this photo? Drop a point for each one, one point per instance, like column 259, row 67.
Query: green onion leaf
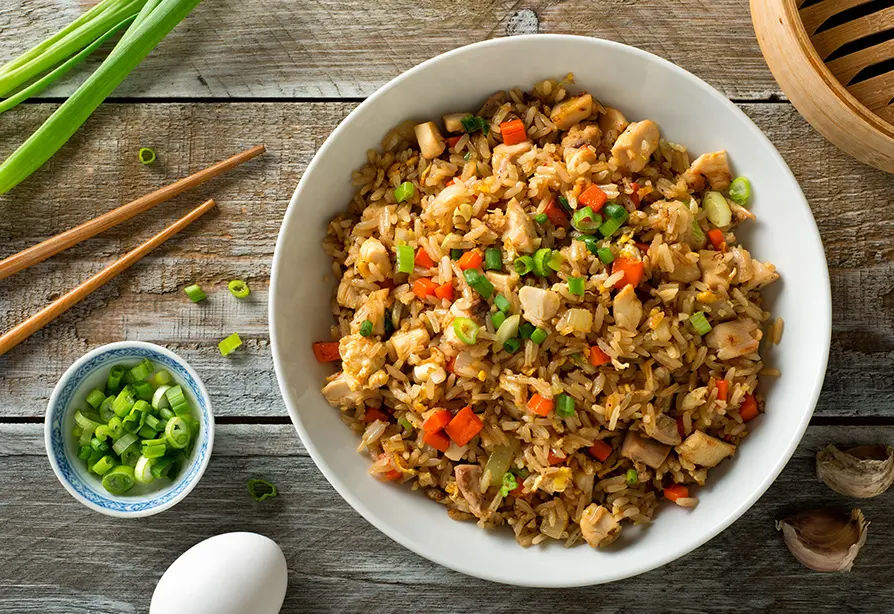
column 586, row 220
column 261, row 489
column 512, row 345
column 456, row 254
column 195, row 293
column 699, row 240
column 405, row 259
column 466, row 330
column 523, row 265
column 146, row 155
column 555, row 261
column 541, row 218
column 405, row 423
column 479, row 282
column 539, row 336
column 118, row 480
column 113, row 383
column 239, row 288
column 95, row 398
column 144, row 390
column 700, row 323
column 177, row 433
column 124, row 401
column 161, row 378
column 502, row 303
column 610, row 227
column 576, row 285
column 161, row 467
column 525, row 330
column 616, row 212
column 541, row 260
column 366, row 328
column 563, row 202
column 564, row 406
column 142, row 473
column 473, row 123
column 498, row 318
column 404, row 191
column 740, row 191
column 493, row 259
column 229, row 345
column 605, row 254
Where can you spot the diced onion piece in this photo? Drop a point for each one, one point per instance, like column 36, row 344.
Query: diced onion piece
column 575, row 320
column 717, row 209
column 499, row 460
column 508, row 330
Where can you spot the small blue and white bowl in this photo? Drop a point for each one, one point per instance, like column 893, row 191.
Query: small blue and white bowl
column 91, row 371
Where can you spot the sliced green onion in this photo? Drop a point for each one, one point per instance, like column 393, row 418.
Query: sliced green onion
column 103, row 465
column 493, row 259
column 105, row 408
column 102, row 432
column 467, row 156
column 700, row 323
column 576, row 285
column 161, row 467
column 229, row 345
column 502, row 303
column 512, row 345
column 405, row 259
column 76, row 430
column 366, row 328
column 182, row 410
column 131, row 423
column 118, row 480
column 99, row 445
column 564, row 406
column 147, row 432
column 473, row 123
column 161, row 378
column 177, row 433
column 159, row 397
column 717, row 209
column 175, row 395
column 563, row 202
column 525, row 330
column 740, row 191
column 631, row 477
column 261, row 489
column 591, row 242
column 113, row 383
column 541, row 218
column 143, row 390
column 239, row 288
column 130, row 456
column 404, row 191
column 116, row 428
column 699, row 240
column 146, row 155
column 95, row 455
column 541, row 260
column 456, row 254
column 586, row 220
column 466, row 330
column 84, row 452
column 195, row 293
column 555, row 261
column 139, row 373
column 498, row 318
column 95, row 398
column 152, row 423
column 616, row 212
column 479, row 282
column 610, row 227
column 152, row 24
column 405, row 423
column 85, row 421
column 523, row 265
column 86, row 436
column 153, row 451
column 142, row 473
column 539, row 336
column 605, row 254
column 165, row 413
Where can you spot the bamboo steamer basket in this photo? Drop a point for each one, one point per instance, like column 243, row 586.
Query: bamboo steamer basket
column 834, row 59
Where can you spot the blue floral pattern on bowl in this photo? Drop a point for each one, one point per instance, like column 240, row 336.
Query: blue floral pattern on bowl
column 58, row 433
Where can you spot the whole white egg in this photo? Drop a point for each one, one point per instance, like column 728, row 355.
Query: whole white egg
column 233, row 573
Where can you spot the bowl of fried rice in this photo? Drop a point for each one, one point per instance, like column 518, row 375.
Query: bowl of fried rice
column 549, row 311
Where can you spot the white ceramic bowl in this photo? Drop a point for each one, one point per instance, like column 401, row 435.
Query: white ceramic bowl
column 689, row 112
column 91, row 371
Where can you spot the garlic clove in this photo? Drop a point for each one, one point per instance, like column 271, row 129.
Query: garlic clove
column 862, row 472
column 825, row 540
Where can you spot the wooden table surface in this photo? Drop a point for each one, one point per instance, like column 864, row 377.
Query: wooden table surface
column 284, row 73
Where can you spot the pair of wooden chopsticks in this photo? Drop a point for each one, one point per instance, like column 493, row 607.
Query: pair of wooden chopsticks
column 54, row 245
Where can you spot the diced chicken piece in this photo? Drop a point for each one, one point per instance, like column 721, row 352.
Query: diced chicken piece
column 538, row 305
column 598, row 527
column 445, row 203
column 612, row 123
column 371, row 258
column 360, row 358
column 453, row 122
column 715, row 272
column 571, row 111
column 735, row 338
column 403, row 343
column 431, row 143
column 339, row 394
column 711, row 166
column 704, row 450
column 742, row 261
column 373, row 309
column 468, row 480
column 685, row 264
column 520, row 232
column 505, row 155
column 627, row 308
column 664, row 430
column 580, row 136
column 762, row 273
column 636, row 144
column 647, row 451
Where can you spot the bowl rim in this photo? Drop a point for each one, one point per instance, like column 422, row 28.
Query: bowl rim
column 53, row 408
column 824, row 335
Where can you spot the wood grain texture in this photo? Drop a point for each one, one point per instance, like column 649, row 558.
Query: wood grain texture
column 238, row 240
column 42, row 528
column 349, row 48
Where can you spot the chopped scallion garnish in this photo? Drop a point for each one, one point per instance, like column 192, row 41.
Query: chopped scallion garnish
column 502, row 303
column 631, row 477
column 366, row 328
column 466, row 330
column 239, row 288
column 261, row 489
column 576, row 285
column 523, row 265
column 404, row 191
column 405, row 259
column 473, row 123
column 147, row 155
column 541, row 218
column 512, row 345
column 493, row 259
column 195, row 293
column 229, row 345
column 564, row 406
column 605, row 254
column 479, row 282
column 700, row 323
column 498, row 318
column 539, row 336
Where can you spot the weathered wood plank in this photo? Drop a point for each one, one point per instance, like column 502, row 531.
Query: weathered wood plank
column 254, row 48
column 851, row 202
column 42, row 528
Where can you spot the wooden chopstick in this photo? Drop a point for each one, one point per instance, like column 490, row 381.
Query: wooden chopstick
column 52, row 311
column 54, row 245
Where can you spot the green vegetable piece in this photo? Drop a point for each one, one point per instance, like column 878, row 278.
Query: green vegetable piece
column 498, row 318
column 406, row 259
column 119, row 479
column 605, row 254
column 479, row 283
column 576, row 285
column 473, row 123
column 404, row 191
column 539, row 336
column 239, row 288
column 631, row 477
column 700, row 323
column 366, row 328
column 509, row 484
column 466, row 330
column 586, row 220
column 616, row 212
column 229, row 345
column 195, row 293
column 493, row 259
column 512, row 345
column 541, row 260
column 523, row 265
column 113, row 383
column 456, row 254
column 740, row 191
column 525, row 330
column 564, row 406
column 260, row 490
column 95, row 398
column 502, row 303
column 103, row 465
column 541, row 218
column 146, row 155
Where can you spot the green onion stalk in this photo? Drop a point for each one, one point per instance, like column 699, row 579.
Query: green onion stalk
column 147, row 23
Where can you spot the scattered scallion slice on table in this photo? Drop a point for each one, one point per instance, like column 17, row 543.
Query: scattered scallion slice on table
column 146, row 155
column 261, row 489
column 229, row 345
column 195, row 293
column 239, row 288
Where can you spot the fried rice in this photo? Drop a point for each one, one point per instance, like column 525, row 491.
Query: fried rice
column 611, row 376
